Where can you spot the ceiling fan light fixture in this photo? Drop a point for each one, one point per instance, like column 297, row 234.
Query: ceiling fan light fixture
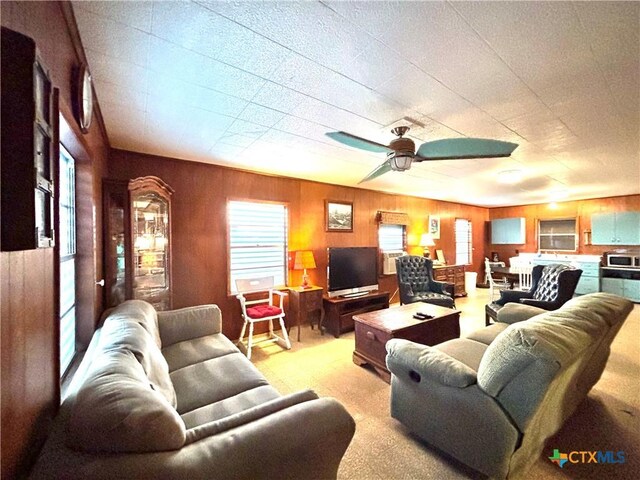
column 401, row 161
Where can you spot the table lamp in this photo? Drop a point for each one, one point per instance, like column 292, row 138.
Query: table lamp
column 426, row 241
column 303, row 260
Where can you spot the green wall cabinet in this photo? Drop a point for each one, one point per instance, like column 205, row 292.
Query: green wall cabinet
column 508, row 231
column 620, row 228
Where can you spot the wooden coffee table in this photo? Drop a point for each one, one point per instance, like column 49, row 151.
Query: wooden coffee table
column 374, row 329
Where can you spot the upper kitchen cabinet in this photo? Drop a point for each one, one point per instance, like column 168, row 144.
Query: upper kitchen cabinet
column 508, row 231
column 619, row 228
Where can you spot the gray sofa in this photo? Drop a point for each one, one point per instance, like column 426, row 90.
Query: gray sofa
column 167, row 395
column 492, row 399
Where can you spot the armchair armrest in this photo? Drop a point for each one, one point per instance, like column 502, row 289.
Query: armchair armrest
column 547, row 305
column 281, row 295
column 187, row 323
column 507, row 296
column 517, row 312
column 413, row 361
column 441, row 287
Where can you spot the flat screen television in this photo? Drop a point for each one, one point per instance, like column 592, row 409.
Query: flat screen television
column 352, row 271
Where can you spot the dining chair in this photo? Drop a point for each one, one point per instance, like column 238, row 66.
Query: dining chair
column 261, row 308
column 494, row 285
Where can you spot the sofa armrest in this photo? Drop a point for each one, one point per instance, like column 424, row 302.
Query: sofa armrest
column 187, row 323
column 517, row 312
column 306, row 440
column 249, row 415
column 411, row 360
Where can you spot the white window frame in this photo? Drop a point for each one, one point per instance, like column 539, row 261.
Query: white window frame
column 551, row 235
column 463, row 237
column 67, row 246
column 252, row 233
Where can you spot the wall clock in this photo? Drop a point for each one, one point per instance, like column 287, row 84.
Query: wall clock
column 84, row 98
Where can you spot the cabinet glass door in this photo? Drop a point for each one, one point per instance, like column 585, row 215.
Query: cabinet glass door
column 150, row 242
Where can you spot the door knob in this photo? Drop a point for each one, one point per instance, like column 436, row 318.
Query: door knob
column 101, row 283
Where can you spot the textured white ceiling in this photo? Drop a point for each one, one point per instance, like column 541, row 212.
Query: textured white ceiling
column 256, row 85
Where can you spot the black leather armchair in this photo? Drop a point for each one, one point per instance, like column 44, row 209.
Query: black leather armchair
column 416, row 283
column 551, row 287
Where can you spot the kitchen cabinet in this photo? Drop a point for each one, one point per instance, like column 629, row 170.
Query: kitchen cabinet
column 589, row 264
column 624, row 287
column 617, row 228
column 508, row 231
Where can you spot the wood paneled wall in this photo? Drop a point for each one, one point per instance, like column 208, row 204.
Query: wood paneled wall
column 199, row 223
column 582, row 210
column 30, row 372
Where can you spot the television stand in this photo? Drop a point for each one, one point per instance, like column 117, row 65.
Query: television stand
column 353, row 295
column 339, row 311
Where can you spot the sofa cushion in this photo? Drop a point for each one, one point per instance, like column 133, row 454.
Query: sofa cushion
column 467, row 351
column 116, row 410
column 130, row 335
column 213, row 380
column 229, row 406
column 189, row 352
column 141, row 312
column 488, row 334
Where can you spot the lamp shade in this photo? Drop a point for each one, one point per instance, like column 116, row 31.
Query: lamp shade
column 304, row 259
column 426, row 240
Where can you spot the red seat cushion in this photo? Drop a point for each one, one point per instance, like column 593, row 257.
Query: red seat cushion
column 262, row 311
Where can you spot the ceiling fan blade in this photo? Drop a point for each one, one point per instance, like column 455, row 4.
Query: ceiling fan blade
column 379, row 170
column 357, row 142
column 459, row 148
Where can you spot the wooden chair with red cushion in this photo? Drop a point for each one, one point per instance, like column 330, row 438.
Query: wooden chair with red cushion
column 261, row 308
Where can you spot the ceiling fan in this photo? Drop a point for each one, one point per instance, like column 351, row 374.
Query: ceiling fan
column 401, row 152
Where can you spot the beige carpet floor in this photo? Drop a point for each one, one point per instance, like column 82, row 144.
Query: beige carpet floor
column 383, row 449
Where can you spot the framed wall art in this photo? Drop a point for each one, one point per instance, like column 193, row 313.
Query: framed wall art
column 434, row 226
column 338, row 216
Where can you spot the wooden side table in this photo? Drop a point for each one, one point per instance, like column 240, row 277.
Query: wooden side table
column 304, row 301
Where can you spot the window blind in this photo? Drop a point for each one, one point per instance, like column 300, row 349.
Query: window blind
column 390, row 237
column 463, row 241
column 257, row 241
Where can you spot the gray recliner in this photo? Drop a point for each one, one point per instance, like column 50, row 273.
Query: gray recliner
column 416, row 283
column 492, row 399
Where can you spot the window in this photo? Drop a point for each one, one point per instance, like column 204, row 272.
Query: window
column 464, row 245
column 557, row 235
column 257, row 241
column 391, row 237
column 67, row 204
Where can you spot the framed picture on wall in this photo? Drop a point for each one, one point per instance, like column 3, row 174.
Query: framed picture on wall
column 434, row 226
column 339, row 216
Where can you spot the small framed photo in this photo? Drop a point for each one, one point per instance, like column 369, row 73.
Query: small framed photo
column 339, row 216
column 434, row 226
column 440, row 256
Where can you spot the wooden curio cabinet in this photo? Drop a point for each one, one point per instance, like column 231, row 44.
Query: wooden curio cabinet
column 137, row 241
